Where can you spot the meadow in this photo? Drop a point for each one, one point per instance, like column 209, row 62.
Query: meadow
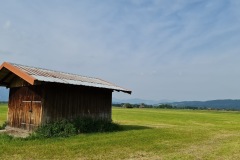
column 147, row 134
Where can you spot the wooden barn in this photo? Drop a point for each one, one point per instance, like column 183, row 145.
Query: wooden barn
column 39, row 95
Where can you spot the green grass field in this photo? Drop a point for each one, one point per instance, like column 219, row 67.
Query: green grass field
column 148, row 134
column 3, row 113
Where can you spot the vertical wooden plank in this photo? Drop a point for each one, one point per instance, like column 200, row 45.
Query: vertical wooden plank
column 66, row 101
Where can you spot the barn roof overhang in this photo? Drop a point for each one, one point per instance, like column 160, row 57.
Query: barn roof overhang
column 33, row 75
column 8, row 72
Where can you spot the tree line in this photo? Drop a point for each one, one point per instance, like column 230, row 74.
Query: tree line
column 168, row 106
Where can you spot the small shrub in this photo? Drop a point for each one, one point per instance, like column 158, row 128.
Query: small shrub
column 66, row 128
column 3, row 126
column 61, row 128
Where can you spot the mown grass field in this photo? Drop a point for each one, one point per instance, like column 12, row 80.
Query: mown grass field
column 148, row 134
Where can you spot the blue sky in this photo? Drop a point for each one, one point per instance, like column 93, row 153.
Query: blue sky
column 160, row 49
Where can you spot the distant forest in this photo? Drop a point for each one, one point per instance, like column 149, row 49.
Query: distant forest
column 3, row 102
column 198, row 105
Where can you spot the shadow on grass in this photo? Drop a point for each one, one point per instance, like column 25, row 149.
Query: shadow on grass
column 133, row 127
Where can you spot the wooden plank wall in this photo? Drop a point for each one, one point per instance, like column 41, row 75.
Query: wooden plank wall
column 68, row 101
column 23, row 111
column 29, row 106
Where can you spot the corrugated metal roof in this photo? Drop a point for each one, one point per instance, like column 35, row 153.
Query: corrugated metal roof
column 45, row 75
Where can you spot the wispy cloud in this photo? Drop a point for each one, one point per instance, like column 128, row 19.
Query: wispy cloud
column 7, row 25
column 167, row 49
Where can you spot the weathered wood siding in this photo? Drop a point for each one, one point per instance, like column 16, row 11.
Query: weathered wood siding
column 30, row 106
column 24, row 108
column 69, row 101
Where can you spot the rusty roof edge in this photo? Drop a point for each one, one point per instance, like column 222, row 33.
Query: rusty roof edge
column 18, row 72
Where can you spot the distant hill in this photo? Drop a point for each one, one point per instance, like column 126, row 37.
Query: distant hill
column 3, row 94
column 215, row 104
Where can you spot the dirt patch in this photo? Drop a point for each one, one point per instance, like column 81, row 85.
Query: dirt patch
column 2, row 131
column 15, row 132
